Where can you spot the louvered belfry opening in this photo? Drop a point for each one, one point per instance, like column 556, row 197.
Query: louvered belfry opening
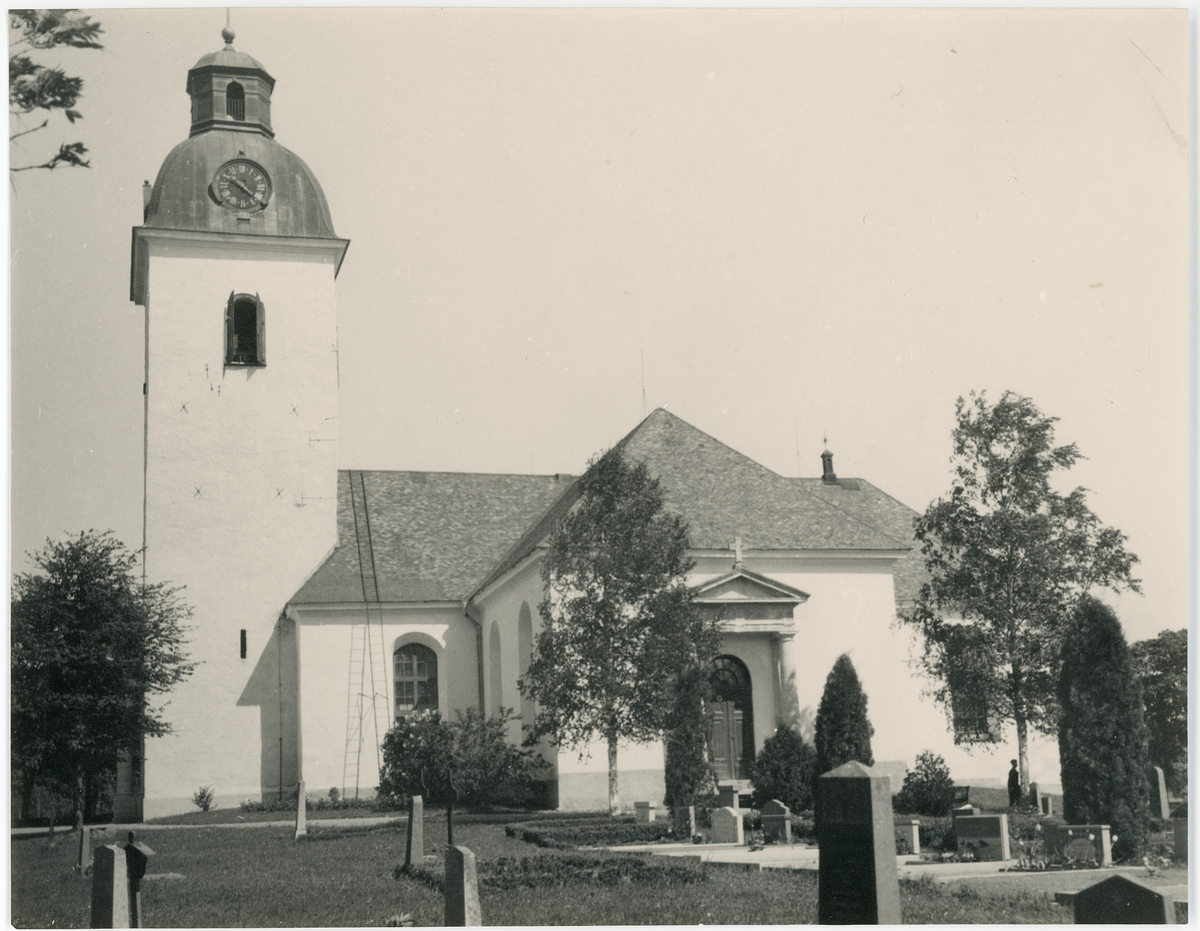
column 235, row 101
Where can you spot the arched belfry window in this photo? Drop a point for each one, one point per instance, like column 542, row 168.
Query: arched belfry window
column 235, row 101
column 415, row 675
column 245, row 330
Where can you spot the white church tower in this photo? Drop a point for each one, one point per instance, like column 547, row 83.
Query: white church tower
column 235, row 266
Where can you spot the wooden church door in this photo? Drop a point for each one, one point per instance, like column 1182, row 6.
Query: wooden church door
column 732, row 717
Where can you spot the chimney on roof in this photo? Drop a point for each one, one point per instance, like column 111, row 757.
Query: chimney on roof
column 828, row 476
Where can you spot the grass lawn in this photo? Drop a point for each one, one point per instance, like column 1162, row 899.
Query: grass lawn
column 346, row 877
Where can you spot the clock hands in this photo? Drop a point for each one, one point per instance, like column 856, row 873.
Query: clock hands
column 257, row 198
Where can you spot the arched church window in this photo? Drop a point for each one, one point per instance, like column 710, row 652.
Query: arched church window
column 245, row 330
column 235, row 101
column 415, row 675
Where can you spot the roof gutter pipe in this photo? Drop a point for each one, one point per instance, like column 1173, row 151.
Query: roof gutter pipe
column 472, row 614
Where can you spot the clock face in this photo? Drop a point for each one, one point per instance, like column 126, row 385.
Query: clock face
column 242, row 185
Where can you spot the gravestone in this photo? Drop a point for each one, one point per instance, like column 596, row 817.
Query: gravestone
column 137, row 855
column 1047, row 805
column 692, row 821
column 414, row 842
column 911, row 832
column 727, row 797
column 983, row 836
column 462, row 889
column 727, row 826
column 645, row 812
column 110, row 888
column 1119, row 900
column 1181, row 839
column 85, row 851
column 857, row 881
column 1080, row 842
column 301, row 813
column 1035, row 796
column 1160, row 805
column 777, row 822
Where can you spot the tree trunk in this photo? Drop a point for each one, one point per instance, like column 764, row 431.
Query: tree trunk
column 1023, row 753
column 614, row 797
column 78, row 798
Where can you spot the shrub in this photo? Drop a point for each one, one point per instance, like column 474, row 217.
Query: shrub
column 203, row 799
column 468, row 761
column 928, row 788
column 843, row 732
column 590, row 832
column 1102, row 737
column 783, row 770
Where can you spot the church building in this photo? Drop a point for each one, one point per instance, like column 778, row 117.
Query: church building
column 329, row 602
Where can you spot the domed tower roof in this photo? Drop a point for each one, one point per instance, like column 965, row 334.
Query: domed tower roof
column 230, row 175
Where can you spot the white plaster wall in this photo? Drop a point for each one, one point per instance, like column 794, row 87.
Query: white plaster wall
column 240, row 491
column 851, row 609
column 325, row 649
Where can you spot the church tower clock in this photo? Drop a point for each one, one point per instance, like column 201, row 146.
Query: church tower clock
column 235, row 265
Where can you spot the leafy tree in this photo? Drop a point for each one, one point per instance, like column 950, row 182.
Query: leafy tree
column 1101, row 736
column 1162, row 666
column 618, row 622
column 33, row 86
column 928, row 788
column 688, row 772
column 1008, row 558
column 784, row 769
column 467, row 761
column 843, row 732
column 92, row 647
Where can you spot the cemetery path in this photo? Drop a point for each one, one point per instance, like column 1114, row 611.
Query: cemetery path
column 290, row 823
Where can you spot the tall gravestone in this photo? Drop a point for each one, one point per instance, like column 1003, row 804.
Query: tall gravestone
column 137, row 856
column 856, row 880
column 110, row 888
column 1160, row 804
column 301, row 812
column 462, row 889
column 414, row 843
column 85, row 851
column 1119, row 900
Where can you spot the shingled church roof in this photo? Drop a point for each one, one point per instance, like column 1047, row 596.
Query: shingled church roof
column 442, row 536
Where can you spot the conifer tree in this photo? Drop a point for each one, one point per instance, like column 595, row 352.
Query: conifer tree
column 1102, row 736
column 783, row 770
column 843, row 732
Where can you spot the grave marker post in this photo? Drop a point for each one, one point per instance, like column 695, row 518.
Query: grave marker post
column 1160, row 805
column 301, row 812
column 1119, row 900
column 110, row 888
column 462, row 890
column 1181, row 838
column 414, row 844
column 857, row 880
column 85, row 851
column 692, row 821
column 137, row 855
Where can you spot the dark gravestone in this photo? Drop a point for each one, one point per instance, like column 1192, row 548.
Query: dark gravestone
column 727, row 797
column 414, row 843
column 777, row 822
column 1160, row 805
column 462, row 890
column 1181, row 845
column 137, row 856
column 856, row 880
column 1122, row 901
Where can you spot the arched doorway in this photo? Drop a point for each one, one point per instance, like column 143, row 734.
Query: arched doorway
column 732, row 714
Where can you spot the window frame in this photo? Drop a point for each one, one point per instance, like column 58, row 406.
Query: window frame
column 432, row 685
column 232, row 359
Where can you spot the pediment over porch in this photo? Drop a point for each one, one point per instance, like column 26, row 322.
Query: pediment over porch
column 748, row 602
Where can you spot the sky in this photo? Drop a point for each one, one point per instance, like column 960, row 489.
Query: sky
column 781, row 225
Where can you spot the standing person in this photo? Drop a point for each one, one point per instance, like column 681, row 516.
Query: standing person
column 1014, row 786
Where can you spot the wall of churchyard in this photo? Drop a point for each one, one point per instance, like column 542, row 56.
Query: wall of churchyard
column 240, row 501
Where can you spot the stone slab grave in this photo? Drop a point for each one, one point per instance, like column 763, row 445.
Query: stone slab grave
column 414, row 842
column 984, row 837
column 1160, row 803
column 1120, row 900
column 462, row 890
column 1080, row 842
column 777, row 822
column 857, row 880
column 727, row 826
column 645, row 812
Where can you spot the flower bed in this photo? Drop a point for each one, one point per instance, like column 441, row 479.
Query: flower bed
column 601, row 831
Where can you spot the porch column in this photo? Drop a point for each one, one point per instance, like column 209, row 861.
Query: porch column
column 787, row 710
